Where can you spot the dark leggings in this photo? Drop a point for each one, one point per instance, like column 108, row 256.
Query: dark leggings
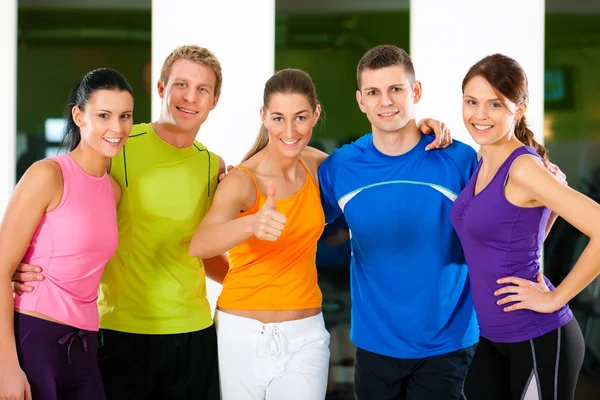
column 544, row 368
column 60, row 361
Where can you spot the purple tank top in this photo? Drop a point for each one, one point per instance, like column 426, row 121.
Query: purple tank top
column 500, row 240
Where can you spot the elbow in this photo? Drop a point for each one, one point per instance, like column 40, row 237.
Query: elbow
column 199, row 249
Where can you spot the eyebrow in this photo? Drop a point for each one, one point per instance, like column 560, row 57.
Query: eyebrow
column 110, row 112
column 201, row 84
column 296, row 113
column 471, row 97
column 391, row 86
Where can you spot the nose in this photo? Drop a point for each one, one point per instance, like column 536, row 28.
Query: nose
column 481, row 112
column 116, row 125
column 289, row 129
column 190, row 95
column 385, row 100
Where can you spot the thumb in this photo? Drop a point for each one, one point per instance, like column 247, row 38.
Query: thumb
column 271, row 196
column 540, row 278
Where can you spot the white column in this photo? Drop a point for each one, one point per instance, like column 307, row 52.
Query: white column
column 448, row 37
column 8, row 99
column 241, row 34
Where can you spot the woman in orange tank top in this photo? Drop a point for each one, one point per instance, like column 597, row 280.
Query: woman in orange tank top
column 267, row 214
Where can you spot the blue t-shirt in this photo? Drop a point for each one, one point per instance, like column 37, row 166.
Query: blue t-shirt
column 411, row 295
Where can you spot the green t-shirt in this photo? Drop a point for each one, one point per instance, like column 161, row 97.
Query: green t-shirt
column 152, row 285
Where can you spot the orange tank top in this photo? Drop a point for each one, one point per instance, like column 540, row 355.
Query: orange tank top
column 279, row 275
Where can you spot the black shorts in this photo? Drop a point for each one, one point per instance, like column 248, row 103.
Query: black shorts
column 546, row 367
column 378, row 377
column 171, row 367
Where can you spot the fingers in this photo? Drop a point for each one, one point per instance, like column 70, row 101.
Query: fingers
column 540, row 278
column 443, row 136
column 27, row 277
column 21, row 287
column 514, row 307
column 28, row 268
column 511, row 280
column 424, row 127
column 507, row 290
column 229, row 168
column 271, row 197
column 509, row 299
column 222, row 176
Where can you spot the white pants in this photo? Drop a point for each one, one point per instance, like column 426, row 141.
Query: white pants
column 276, row 361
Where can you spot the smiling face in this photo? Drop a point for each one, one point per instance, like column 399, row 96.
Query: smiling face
column 106, row 121
column 289, row 119
column 489, row 117
column 388, row 97
column 188, row 95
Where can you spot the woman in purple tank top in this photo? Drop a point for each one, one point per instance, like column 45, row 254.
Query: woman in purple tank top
column 62, row 217
column 530, row 345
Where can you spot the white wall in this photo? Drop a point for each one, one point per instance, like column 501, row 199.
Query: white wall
column 447, row 37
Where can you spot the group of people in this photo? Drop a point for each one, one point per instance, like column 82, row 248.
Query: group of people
column 108, row 247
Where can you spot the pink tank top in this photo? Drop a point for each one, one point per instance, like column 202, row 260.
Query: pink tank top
column 72, row 244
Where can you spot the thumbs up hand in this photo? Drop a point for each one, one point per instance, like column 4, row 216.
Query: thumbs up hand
column 269, row 223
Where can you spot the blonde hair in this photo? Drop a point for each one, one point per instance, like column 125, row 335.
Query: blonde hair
column 287, row 81
column 196, row 54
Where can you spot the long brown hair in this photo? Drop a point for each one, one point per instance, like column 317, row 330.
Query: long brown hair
column 287, row 81
column 508, row 79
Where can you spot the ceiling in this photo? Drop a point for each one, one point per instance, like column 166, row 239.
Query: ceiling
column 309, row 6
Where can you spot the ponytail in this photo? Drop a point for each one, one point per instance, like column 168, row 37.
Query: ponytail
column 261, row 142
column 525, row 136
column 71, row 134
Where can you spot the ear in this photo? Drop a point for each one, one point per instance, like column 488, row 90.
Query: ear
column 263, row 116
column 417, row 91
column 77, row 115
column 521, row 111
column 161, row 89
column 215, row 101
column 360, row 102
column 317, row 114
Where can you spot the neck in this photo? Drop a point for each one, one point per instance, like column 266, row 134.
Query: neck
column 398, row 142
column 495, row 154
column 169, row 132
column 274, row 163
column 92, row 162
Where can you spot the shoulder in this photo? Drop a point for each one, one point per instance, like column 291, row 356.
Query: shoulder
column 43, row 181
column 527, row 167
column 140, row 130
column 346, row 153
column 238, row 179
column 313, row 158
column 44, row 172
column 461, row 151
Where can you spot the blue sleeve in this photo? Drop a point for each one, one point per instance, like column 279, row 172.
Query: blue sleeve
column 465, row 158
column 326, row 179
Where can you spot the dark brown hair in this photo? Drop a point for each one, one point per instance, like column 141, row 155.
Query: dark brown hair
column 508, row 79
column 383, row 56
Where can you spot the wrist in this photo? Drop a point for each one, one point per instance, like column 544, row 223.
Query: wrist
column 558, row 300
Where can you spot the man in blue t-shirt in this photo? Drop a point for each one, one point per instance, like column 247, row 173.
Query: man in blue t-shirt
column 413, row 321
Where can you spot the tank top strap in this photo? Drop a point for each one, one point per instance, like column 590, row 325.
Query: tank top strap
column 258, row 194
column 308, row 172
column 519, row 151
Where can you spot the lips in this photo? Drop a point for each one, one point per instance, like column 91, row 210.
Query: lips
column 187, row 111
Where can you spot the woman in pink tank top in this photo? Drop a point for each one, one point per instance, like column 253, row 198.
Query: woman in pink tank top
column 62, row 217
